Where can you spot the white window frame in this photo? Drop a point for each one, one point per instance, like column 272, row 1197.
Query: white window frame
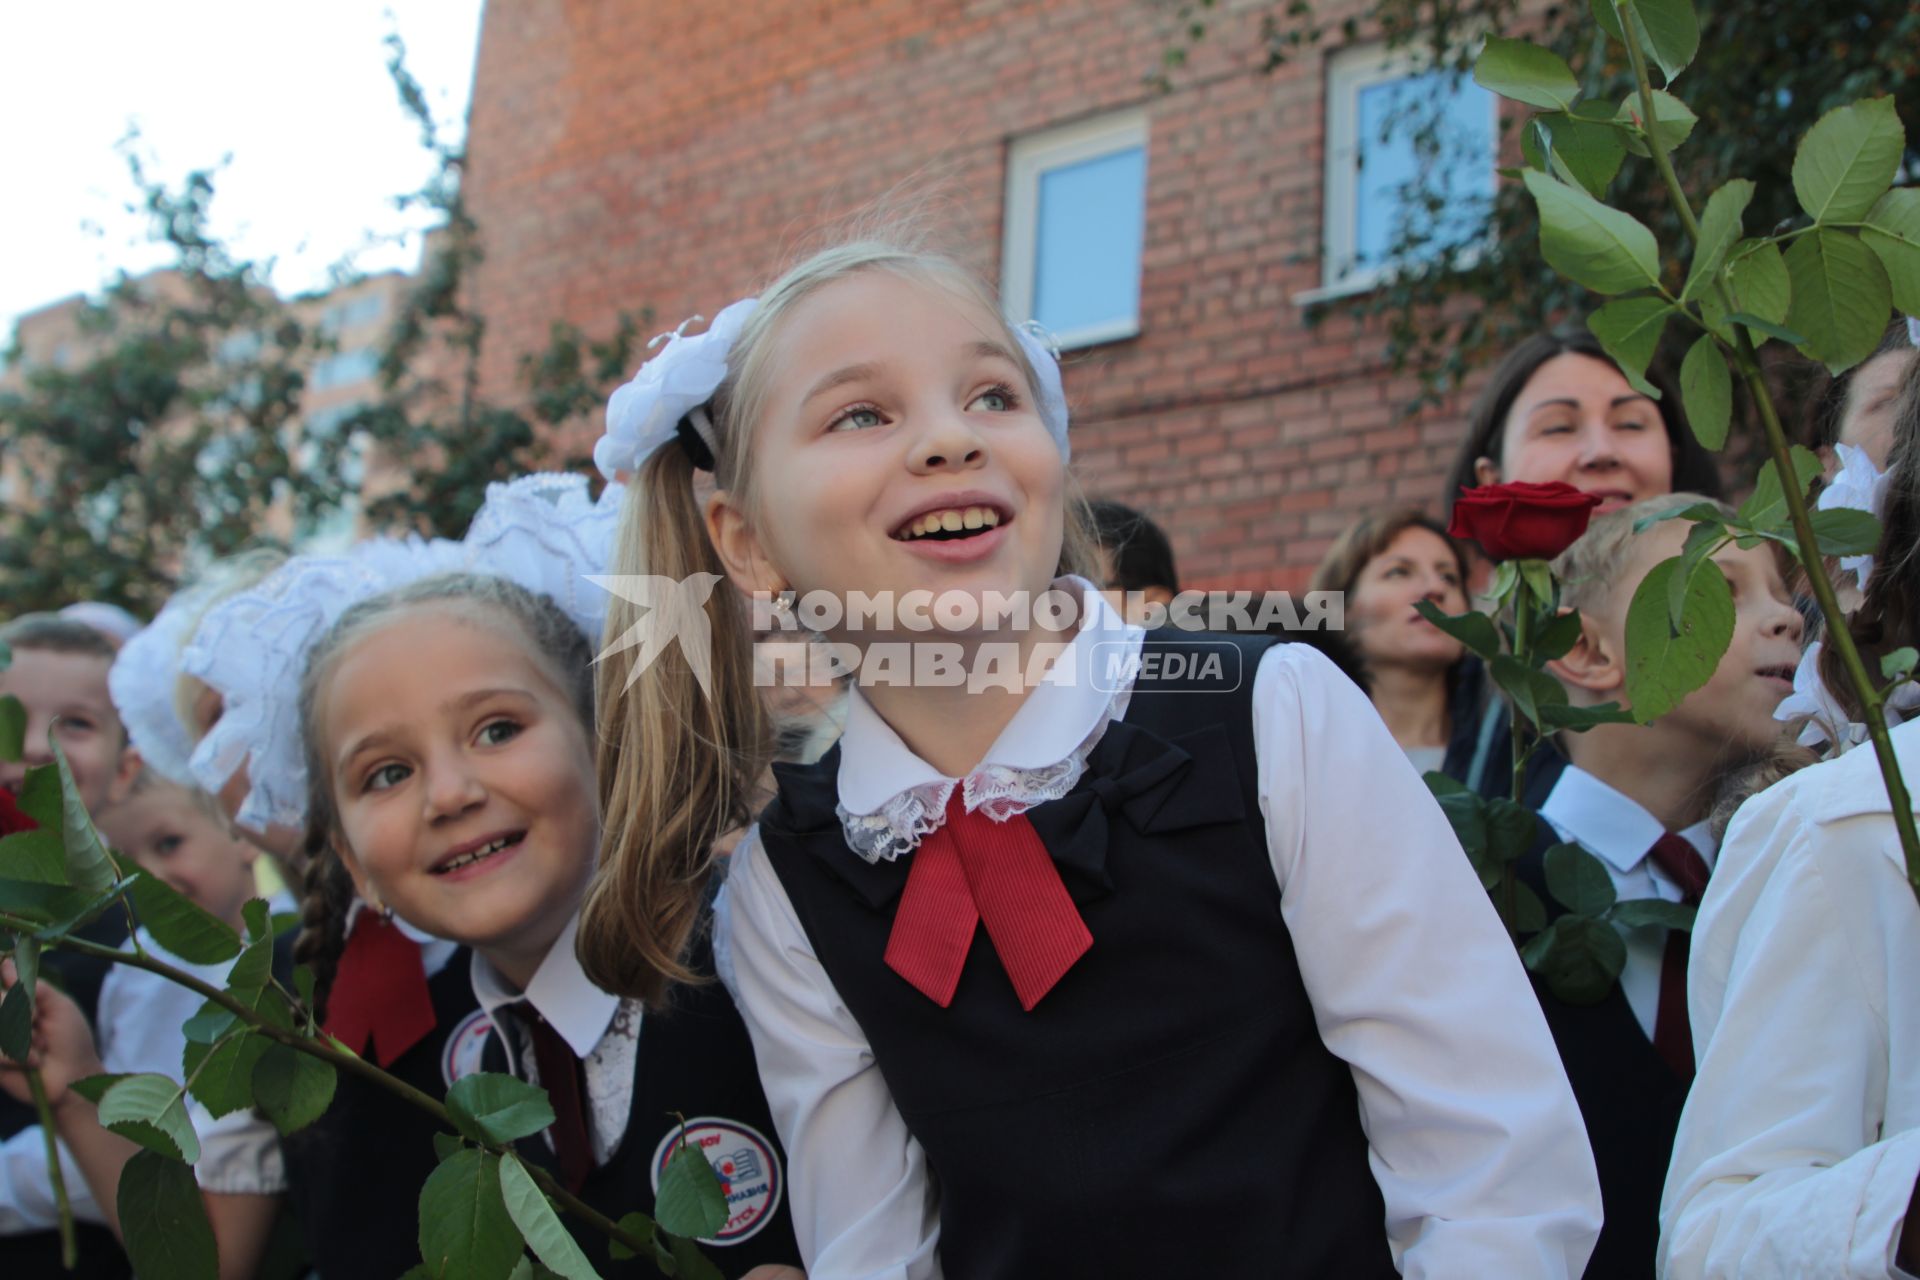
column 1028, row 159
column 1349, row 72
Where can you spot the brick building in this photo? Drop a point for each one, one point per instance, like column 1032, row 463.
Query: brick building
column 630, row 153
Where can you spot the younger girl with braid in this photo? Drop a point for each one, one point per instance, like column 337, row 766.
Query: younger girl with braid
column 448, row 729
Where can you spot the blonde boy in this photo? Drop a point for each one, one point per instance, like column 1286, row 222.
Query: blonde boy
column 59, row 673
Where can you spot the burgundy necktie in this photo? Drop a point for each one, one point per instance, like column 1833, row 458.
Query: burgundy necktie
column 974, row 870
column 379, row 991
column 1672, row 1032
column 562, row 1076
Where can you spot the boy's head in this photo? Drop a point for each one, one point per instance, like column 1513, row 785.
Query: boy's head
column 1731, row 716
column 1134, row 553
column 59, row 673
column 179, row 835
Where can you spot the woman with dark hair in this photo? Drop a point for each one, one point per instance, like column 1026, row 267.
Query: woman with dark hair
column 1856, row 408
column 1422, row 681
column 1558, row 408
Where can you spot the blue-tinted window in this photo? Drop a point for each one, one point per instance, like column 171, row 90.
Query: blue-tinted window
column 1389, row 117
column 1090, row 220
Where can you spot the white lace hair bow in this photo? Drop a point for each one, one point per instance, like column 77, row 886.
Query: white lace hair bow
column 677, row 383
column 1827, row 720
column 1861, row 486
column 543, row 532
column 141, row 683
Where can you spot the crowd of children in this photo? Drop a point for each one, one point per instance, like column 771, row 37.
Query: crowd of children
column 1240, row 1005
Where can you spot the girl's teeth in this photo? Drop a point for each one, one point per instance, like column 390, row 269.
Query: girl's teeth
column 973, row 518
column 990, row 517
column 952, row 521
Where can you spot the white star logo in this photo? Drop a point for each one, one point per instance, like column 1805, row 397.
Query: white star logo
column 672, row 608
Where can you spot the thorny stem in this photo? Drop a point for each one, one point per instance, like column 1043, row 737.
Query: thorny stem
column 340, row 1059
column 1871, row 702
column 69, row 1246
column 1522, row 747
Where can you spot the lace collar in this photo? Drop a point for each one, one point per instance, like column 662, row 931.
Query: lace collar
column 890, row 798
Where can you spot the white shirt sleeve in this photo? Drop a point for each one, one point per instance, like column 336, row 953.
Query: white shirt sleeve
column 1789, row 1163
column 862, row 1201
column 26, row 1192
column 1476, row 1140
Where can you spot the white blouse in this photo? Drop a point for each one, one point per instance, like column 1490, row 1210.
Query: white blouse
column 1475, row 1138
column 1800, row 1144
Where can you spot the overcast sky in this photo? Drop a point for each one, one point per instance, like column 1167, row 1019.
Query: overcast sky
column 297, row 96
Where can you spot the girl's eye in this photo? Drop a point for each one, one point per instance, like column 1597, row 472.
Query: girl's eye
column 387, row 775
column 495, row 732
column 166, row 845
column 996, row 399
column 1397, row 571
column 1635, row 424
column 76, row 724
column 857, row 417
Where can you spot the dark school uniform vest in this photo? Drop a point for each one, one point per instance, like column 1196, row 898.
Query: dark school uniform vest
column 1629, row 1097
column 693, row 1058
column 1168, row 1108
column 354, row 1175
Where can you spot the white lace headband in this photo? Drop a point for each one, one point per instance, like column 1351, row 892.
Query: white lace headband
column 141, row 683
column 667, row 399
column 542, row 531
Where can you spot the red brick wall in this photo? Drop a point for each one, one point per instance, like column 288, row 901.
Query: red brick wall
column 676, row 156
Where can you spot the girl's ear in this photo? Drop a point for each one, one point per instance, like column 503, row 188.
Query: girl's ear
column 740, row 548
column 1592, row 664
column 361, row 885
column 1486, row 471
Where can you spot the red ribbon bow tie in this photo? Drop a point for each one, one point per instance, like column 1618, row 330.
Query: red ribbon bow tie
column 380, row 992
column 974, row 870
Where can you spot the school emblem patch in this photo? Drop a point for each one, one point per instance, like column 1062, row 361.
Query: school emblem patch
column 745, row 1162
column 465, row 1047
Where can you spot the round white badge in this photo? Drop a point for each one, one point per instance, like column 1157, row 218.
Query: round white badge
column 462, row 1054
column 746, row 1164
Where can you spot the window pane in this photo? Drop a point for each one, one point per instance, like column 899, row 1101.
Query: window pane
column 1087, row 245
column 1390, row 118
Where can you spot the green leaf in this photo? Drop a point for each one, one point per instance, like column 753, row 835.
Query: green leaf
column 258, row 917
column 1706, row 390
column 1505, row 578
column 1673, row 33
column 465, row 1231
column 1843, row 531
column 13, row 728
column 1630, row 329
column 1702, row 541
column 691, row 1264
column 179, row 924
column 1841, row 297
column 1848, row 160
column 1639, row 913
column 1674, row 119
column 1526, row 73
column 220, row 1075
column 1899, row 664
column 1766, row 507
column 1893, row 232
column 1578, row 880
column 1475, row 630
column 1662, row 667
column 94, row 1088
column 1762, row 286
column 1510, row 829
column 636, row 1224
column 36, row 857
column 1575, row 148
column 490, row 1107
column 690, row 1201
column 40, row 797
column 16, row 1024
column 1608, row 16
column 163, row 1220
column 152, row 1111
column 1538, row 576
column 1529, row 689
column 292, row 1088
column 211, row 1021
column 1720, row 227
column 1590, row 243
column 1580, row 719
column 1529, row 913
column 447, row 1145
column 89, row 869
column 1467, row 814
column 539, row 1225
column 1579, row 959
column 1557, row 637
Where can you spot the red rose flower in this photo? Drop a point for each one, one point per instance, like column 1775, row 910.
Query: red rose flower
column 12, row 817
column 1521, row 521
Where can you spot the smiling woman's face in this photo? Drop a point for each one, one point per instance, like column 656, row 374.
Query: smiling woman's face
column 1578, row 421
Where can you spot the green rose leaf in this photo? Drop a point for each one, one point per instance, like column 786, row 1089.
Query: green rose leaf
column 1720, row 227
column 1674, row 119
column 1899, row 664
column 220, row 1075
column 152, row 1111
column 1640, row 913
column 1673, row 33
column 689, row 1202
column 1703, row 540
column 1757, row 273
column 1706, row 390
column 1510, row 829
column 1590, row 243
column 94, row 1088
column 1841, row 297
column 539, row 1225
column 1580, row 719
column 634, row 1224
column 1630, row 329
column 465, row 1230
column 1848, row 160
column 691, row 1264
column 13, row 728
column 1663, row 666
column 1529, row 688
column 210, row 1022
column 89, row 869
column 1554, row 639
column 1579, row 959
column 1577, row 149
column 1893, row 232
column 1475, row 630
column 36, row 857
column 1766, row 508
column 179, row 924
column 446, row 1146
column 1466, row 813
column 163, row 1220
column 1578, row 880
column 40, row 797
column 293, row 1089
column 1526, row 73
column 16, row 1024
column 490, row 1107
column 1843, row 531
